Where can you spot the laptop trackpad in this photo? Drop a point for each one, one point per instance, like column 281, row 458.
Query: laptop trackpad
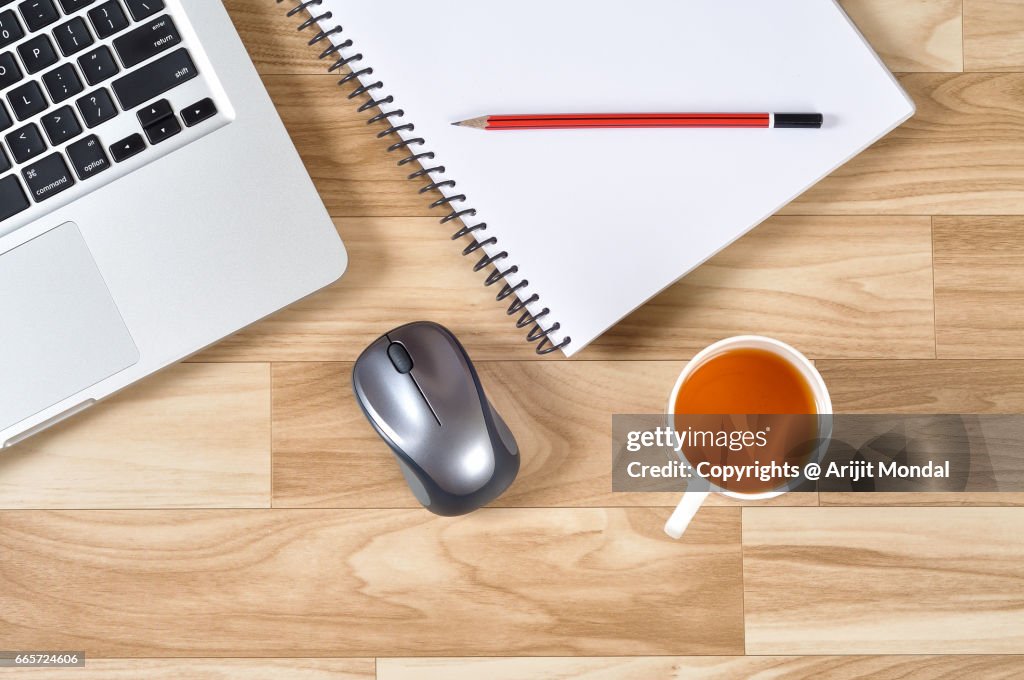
column 60, row 331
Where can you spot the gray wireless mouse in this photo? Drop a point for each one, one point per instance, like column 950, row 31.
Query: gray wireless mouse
column 421, row 393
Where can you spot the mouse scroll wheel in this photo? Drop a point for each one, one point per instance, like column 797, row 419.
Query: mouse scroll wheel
column 400, row 357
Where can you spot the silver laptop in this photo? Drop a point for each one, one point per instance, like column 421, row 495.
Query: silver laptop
column 151, row 201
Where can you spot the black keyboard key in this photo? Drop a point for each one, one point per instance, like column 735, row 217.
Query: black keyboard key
column 73, row 36
column 154, row 112
column 37, row 53
column 72, row 6
column 98, row 65
column 62, row 82
column 108, row 19
column 155, row 78
column 47, row 177
column 199, row 112
column 25, row 143
column 38, row 14
column 5, row 118
column 12, row 197
column 87, row 157
column 5, row 162
column 10, row 72
column 10, row 29
column 148, row 40
column 96, row 107
column 142, row 9
column 127, row 147
column 61, row 125
column 27, row 100
column 163, row 130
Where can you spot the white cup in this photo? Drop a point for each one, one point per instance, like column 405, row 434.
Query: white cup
column 693, row 499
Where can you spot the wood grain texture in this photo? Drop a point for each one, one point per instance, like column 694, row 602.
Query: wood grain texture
column 271, row 38
column 197, row 435
column 299, row 583
column 400, row 270
column 912, row 36
column 993, row 32
column 944, row 386
column 979, row 287
column 352, row 169
column 959, row 155
column 834, row 287
column 706, row 668
column 204, row 669
column 938, row 386
column 327, row 455
column 883, row 581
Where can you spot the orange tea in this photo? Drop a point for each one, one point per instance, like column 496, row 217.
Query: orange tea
column 750, row 381
column 758, row 391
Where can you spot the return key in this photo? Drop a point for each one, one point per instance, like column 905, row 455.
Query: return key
column 147, row 41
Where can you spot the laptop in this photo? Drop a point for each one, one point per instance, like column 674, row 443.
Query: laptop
column 151, row 202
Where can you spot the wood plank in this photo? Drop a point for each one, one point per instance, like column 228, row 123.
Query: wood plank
column 197, row 435
column 943, row 386
column 271, row 38
column 298, row 583
column 352, row 169
column 992, row 35
column 979, row 287
column 705, row 668
column 912, row 36
column 960, row 155
column 205, row 669
column 875, row 581
column 834, row 287
column 937, row 386
column 327, row 455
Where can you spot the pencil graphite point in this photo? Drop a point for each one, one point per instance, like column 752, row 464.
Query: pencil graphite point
column 479, row 123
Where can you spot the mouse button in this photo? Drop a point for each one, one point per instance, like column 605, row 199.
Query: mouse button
column 391, row 400
column 400, row 357
column 441, row 369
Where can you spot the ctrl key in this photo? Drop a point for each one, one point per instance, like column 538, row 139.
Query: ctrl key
column 47, row 177
column 12, row 198
column 87, row 157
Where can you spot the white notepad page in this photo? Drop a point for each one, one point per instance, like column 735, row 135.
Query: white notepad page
column 599, row 221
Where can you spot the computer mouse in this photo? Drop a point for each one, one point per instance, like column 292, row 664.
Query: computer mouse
column 420, row 391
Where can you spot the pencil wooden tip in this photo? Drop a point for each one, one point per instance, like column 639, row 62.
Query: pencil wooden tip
column 478, row 123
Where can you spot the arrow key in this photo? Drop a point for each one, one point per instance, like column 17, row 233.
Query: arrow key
column 127, row 147
column 199, row 112
column 163, row 130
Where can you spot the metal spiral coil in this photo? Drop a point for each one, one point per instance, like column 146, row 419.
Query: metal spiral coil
column 431, row 175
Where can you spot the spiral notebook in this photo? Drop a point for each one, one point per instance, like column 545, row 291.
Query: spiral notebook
column 575, row 229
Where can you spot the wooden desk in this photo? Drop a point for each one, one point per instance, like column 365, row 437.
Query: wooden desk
column 236, row 516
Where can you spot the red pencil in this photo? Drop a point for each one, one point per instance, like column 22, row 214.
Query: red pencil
column 571, row 121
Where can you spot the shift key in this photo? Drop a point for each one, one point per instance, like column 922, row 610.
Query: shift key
column 155, row 78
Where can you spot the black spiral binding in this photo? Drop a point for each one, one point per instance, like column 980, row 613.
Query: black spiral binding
column 538, row 333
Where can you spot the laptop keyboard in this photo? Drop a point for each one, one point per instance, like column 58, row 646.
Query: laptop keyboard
column 92, row 90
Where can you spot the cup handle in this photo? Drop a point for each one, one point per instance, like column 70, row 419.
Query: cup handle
column 688, row 506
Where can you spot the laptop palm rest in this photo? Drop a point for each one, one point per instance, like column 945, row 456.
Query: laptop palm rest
column 60, row 331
